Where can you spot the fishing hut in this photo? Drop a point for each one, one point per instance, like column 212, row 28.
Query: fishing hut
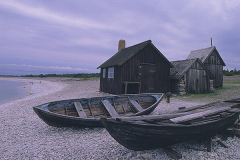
column 140, row 68
column 190, row 76
column 212, row 60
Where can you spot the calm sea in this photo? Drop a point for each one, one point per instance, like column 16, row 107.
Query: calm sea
column 11, row 90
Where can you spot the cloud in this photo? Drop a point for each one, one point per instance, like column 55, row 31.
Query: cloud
column 50, row 16
column 83, row 34
column 15, row 69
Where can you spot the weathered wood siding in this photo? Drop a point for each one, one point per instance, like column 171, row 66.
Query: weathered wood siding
column 214, row 64
column 178, row 86
column 150, row 69
column 111, row 85
column 197, row 79
column 147, row 67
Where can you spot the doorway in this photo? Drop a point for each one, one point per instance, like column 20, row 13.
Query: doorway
column 131, row 87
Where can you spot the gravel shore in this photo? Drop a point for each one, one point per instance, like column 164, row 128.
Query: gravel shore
column 25, row 136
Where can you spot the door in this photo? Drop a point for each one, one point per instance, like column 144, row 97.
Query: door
column 147, row 76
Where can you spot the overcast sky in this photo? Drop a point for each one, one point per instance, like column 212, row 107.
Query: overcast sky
column 62, row 36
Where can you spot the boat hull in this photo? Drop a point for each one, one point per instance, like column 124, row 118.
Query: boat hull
column 136, row 136
column 55, row 119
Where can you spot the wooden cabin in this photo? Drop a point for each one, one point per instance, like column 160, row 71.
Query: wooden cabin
column 140, row 68
column 190, row 76
column 212, row 60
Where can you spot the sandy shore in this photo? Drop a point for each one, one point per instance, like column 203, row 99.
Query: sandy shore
column 25, row 136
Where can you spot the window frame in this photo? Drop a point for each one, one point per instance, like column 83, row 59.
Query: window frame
column 104, row 73
column 111, row 72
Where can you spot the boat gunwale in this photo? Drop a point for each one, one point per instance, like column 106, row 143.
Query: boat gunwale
column 42, row 106
column 144, row 124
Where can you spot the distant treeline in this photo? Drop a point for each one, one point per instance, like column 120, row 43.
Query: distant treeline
column 231, row 73
column 79, row 75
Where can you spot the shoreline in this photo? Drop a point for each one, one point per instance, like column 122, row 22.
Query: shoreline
column 11, row 90
column 34, row 87
column 25, row 136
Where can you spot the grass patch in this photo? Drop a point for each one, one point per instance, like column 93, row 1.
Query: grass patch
column 233, row 82
column 230, row 90
column 87, row 79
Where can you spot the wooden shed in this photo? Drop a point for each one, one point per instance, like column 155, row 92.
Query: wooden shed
column 190, row 76
column 212, row 60
column 140, row 68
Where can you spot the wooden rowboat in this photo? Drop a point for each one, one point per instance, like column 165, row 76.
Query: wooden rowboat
column 149, row 132
column 86, row 112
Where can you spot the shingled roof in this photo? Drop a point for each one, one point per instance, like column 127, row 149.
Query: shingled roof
column 124, row 54
column 182, row 66
column 203, row 54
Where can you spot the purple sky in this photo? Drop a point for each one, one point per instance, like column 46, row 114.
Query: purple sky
column 61, row 36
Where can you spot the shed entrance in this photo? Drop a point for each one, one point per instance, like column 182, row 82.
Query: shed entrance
column 131, row 87
column 148, row 77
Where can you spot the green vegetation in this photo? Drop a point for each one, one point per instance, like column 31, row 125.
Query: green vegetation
column 231, row 73
column 79, row 75
column 230, row 90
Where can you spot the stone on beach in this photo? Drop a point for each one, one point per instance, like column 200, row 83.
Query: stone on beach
column 25, row 136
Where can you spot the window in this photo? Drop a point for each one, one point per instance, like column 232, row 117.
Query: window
column 104, row 73
column 111, row 72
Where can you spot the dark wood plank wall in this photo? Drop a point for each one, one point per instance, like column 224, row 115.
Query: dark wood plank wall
column 197, row 79
column 147, row 67
column 214, row 64
column 159, row 74
column 111, row 85
column 175, row 86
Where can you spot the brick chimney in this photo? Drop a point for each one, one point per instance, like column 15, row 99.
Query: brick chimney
column 121, row 45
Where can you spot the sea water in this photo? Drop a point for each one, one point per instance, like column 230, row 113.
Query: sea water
column 11, row 90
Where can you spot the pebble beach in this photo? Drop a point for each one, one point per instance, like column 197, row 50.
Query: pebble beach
column 25, row 136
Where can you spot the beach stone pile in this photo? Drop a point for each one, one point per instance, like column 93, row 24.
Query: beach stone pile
column 25, row 136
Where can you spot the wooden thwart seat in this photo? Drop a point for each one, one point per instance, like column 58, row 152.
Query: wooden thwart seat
column 80, row 110
column 111, row 110
column 136, row 105
column 199, row 115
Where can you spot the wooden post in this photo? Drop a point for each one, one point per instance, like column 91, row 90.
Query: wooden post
column 211, row 41
column 168, row 95
column 171, row 153
column 168, row 99
column 222, row 143
column 209, row 144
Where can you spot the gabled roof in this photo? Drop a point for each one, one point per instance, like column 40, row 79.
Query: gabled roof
column 203, row 54
column 124, row 54
column 182, row 66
